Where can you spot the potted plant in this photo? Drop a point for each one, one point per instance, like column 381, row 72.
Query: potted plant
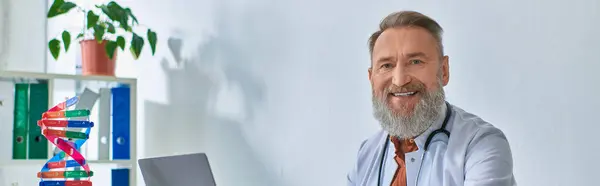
column 104, row 31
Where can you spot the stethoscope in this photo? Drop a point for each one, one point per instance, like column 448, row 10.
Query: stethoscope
column 429, row 138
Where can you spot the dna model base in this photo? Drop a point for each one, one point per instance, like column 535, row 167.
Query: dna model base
column 62, row 127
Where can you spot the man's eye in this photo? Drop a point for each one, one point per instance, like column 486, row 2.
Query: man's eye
column 387, row 65
column 415, row 61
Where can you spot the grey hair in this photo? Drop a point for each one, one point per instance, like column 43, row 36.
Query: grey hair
column 408, row 19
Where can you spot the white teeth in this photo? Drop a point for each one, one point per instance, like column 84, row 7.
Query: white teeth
column 404, row 94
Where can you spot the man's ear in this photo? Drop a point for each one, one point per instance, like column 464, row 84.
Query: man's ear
column 370, row 75
column 445, row 70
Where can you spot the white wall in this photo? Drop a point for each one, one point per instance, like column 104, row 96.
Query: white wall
column 283, row 83
column 27, row 35
column 257, row 93
column 299, row 92
column 527, row 67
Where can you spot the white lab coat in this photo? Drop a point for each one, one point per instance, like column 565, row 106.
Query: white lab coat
column 477, row 154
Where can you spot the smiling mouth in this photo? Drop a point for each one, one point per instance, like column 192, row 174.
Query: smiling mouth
column 404, row 94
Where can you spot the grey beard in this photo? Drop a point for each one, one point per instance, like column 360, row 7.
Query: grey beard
column 426, row 112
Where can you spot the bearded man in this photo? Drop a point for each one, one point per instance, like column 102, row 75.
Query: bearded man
column 433, row 143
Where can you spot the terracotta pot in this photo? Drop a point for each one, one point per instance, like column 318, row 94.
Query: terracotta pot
column 94, row 60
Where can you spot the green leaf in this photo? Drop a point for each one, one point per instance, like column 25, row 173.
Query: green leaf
column 54, row 8
column 54, row 46
column 119, row 14
column 152, row 39
column 121, row 42
column 110, row 28
column 79, row 36
column 99, row 33
column 92, row 19
column 116, row 13
column 111, row 47
column 106, row 11
column 124, row 23
column 113, row 10
column 66, row 37
column 60, row 7
column 113, row 4
column 128, row 11
column 137, row 43
column 66, row 7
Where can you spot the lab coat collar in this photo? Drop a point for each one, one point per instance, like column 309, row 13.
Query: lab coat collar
column 420, row 140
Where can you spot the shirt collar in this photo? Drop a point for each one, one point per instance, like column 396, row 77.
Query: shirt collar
column 420, row 140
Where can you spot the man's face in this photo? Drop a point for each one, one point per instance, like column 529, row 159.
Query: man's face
column 407, row 76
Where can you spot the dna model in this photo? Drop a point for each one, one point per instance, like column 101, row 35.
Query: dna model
column 64, row 168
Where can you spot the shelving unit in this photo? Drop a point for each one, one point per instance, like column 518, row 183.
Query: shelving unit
column 59, row 81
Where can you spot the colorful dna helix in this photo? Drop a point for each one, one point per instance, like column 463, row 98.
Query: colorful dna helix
column 57, row 126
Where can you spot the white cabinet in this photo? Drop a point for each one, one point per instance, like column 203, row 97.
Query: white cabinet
column 60, row 86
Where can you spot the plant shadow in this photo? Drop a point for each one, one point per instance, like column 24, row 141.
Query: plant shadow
column 214, row 91
column 190, row 122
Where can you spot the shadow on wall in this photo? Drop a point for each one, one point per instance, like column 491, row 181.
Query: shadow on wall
column 190, row 123
column 214, row 92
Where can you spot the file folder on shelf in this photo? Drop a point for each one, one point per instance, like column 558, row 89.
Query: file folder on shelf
column 38, row 104
column 87, row 100
column 104, row 124
column 21, row 109
column 120, row 177
column 120, row 122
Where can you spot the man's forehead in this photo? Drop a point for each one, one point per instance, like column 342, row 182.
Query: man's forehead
column 404, row 40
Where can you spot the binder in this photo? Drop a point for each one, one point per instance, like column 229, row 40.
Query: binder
column 104, row 124
column 87, row 100
column 120, row 177
column 20, row 112
column 38, row 104
column 120, row 122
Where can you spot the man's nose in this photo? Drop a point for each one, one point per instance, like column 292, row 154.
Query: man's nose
column 399, row 76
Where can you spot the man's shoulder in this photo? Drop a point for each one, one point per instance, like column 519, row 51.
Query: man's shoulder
column 372, row 142
column 480, row 146
column 367, row 153
column 470, row 124
column 473, row 128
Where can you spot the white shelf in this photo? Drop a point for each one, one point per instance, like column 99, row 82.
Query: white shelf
column 42, row 162
column 13, row 74
column 53, row 79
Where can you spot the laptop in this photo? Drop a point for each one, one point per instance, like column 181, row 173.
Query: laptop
column 180, row 170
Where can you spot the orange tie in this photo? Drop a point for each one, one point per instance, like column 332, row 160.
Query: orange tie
column 402, row 147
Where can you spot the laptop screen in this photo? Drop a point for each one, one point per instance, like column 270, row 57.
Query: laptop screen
column 180, row 170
